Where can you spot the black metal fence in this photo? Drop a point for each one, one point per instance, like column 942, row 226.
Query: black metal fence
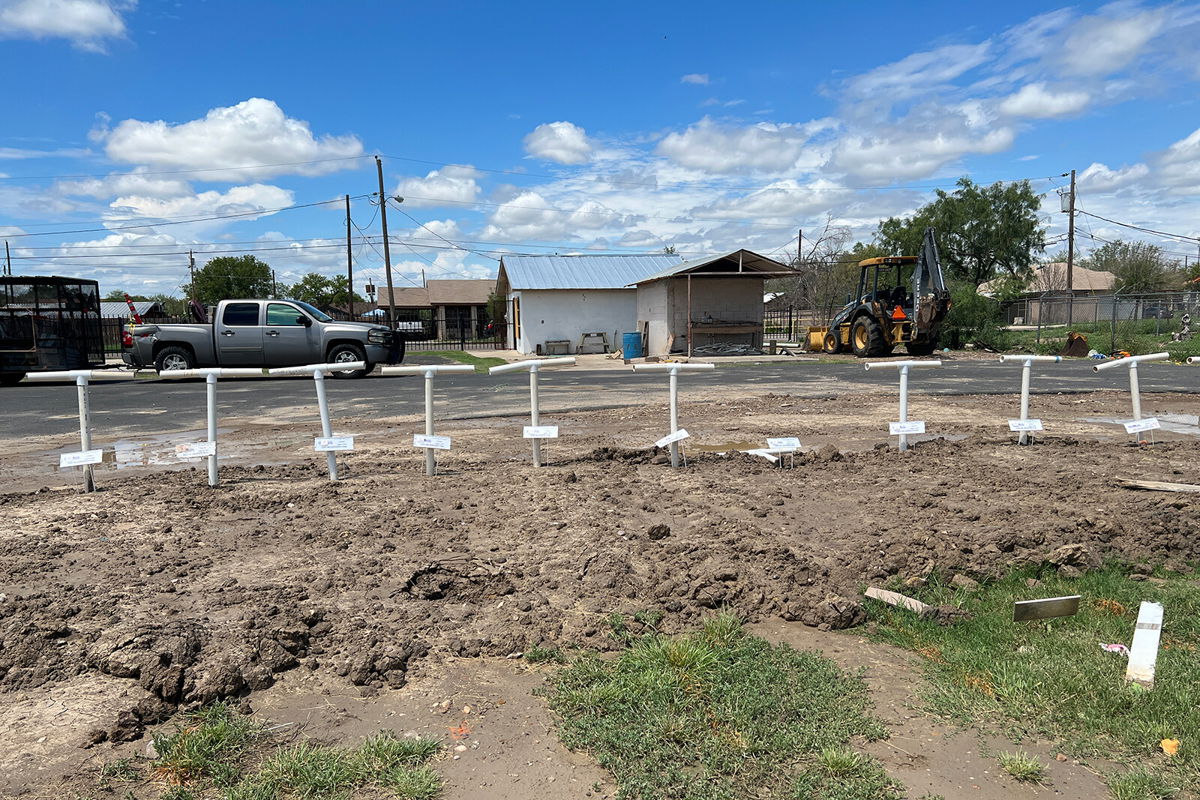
column 789, row 324
column 449, row 328
column 1061, row 309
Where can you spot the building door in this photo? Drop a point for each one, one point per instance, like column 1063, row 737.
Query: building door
column 516, row 323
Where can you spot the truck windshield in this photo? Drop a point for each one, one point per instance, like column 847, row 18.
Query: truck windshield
column 320, row 316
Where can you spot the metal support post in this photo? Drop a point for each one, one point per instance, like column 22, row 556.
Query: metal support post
column 326, row 426
column 85, row 429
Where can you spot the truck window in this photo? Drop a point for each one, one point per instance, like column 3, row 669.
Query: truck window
column 240, row 314
column 280, row 314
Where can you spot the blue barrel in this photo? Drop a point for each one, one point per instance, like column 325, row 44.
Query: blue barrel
column 631, row 345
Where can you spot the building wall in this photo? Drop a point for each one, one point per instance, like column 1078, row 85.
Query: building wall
column 548, row 315
column 664, row 305
column 654, row 307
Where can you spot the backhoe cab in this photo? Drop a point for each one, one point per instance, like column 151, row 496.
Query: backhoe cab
column 900, row 300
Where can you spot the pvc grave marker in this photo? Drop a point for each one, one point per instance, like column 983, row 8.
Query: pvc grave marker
column 677, row 434
column 1137, row 426
column 429, row 441
column 535, row 431
column 1193, row 360
column 327, row 442
column 86, row 456
column 1143, row 653
column 208, row 449
column 904, row 427
column 1025, row 425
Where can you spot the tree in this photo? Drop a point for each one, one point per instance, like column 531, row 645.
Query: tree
column 321, row 291
column 230, row 278
column 1137, row 266
column 118, row 296
column 982, row 231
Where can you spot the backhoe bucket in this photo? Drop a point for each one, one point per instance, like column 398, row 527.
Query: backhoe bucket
column 928, row 288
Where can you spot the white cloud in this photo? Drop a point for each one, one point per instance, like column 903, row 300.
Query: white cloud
column 1179, row 167
column 17, row 153
column 914, row 152
column 699, row 78
column 563, row 142
column 453, row 184
column 1107, row 42
column 86, row 23
column 127, row 183
column 1100, row 178
column 255, row 131
column 780, row 200
column 1035, row 101
column 919, row 73
column 766, row 146
column 237, row 200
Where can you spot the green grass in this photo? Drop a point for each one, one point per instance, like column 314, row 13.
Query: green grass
column 217, row 752
column 1139, row 784
column 719, row 714
column 1051, row 680
column 1022, row 766
column 1136, row 336
column 480, row 364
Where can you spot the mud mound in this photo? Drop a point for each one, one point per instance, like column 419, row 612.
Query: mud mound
column 196, row 594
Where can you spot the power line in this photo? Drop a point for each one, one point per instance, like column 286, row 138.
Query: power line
column 181, row 171
column 1131, row 226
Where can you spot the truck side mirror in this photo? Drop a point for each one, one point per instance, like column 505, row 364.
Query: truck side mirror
column 304, row 320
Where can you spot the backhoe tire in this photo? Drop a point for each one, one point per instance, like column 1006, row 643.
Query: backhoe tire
column 832, row 344
column 866, row 337
column 921, row 348
column 173, row 358
column 348, row 352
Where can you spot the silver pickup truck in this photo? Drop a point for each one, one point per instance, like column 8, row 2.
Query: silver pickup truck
column 261, row 333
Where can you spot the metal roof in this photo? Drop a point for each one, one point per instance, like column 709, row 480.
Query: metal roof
column 583, row 272
column 120, row 309
column 751, row 262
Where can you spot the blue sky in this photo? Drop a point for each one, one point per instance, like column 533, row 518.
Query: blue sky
column 138, row 130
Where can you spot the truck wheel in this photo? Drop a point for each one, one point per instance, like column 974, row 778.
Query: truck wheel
column 921, row 348
column 832, row 344
column 866, row 337
column 345, row 353
column 173, row 358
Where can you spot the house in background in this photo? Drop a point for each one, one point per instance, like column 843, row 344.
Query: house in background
column 452, row 308
column 553, row 302
column 1052, row 278
column 148, row 309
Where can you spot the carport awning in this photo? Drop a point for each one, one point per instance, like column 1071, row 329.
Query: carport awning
column 728, row 264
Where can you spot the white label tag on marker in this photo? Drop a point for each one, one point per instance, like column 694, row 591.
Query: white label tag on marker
column 677, row 436
column 325, row 444
column 433, row 442
column 1139, row 425
column 898, row 428
column 541, row 431
column 196, row 450
column 788, row 443
column 1025, row 425
column 80, row 458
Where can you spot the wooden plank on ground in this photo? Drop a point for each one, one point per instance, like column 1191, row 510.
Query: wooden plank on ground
column 1143, row 653
column 901, row 601
column 1159, row 486
column 1024, row 610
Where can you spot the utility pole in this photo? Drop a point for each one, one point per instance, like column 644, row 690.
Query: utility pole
column 274, row 287
column 387, row 252
column 7, row 259
column 1071, row 254
column 349, row 261
column 192, row 274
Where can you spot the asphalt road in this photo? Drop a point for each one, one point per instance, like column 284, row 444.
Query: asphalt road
column 139, row 406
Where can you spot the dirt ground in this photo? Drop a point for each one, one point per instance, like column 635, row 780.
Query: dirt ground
column 345, row 607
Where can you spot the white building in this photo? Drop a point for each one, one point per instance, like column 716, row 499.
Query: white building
column 560, row 298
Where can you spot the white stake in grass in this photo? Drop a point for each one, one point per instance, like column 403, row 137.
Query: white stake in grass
column 87, row 456
column 1025, row 424
column 429, row 442
column 1143, row 652
column 904, row 427
column 318, row 372
column 210, row 375
column 534, row 423
column 676, row 435
column 1138, row 425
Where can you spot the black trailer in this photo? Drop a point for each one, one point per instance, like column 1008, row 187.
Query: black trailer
column 48, row 323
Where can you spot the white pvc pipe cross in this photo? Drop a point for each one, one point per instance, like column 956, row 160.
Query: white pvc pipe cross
column 533, row 366
column 428, row 371
column 1026, row 370
column 81, row 378
column 904, row 367
column 318, row 372
column 210, row 375
column 1134, row 387
column 674, row 370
